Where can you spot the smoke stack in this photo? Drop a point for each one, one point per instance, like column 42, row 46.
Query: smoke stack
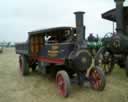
column 80, row 28
column 119, row 16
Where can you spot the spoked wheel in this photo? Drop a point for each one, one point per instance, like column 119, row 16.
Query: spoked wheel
column 63, row 83
column 126, row 66
column 104, row 60
column 97, row 79
column 23, row 64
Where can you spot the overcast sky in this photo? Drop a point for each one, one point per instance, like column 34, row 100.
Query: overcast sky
column 17, row 17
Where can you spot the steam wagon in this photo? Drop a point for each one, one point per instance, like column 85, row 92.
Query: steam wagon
column 115, row 46
column 62, row 50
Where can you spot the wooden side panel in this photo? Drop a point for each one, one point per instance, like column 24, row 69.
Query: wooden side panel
column 31, row 44
column 36, row 43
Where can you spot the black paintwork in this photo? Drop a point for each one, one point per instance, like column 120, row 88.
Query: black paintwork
column 64, row 50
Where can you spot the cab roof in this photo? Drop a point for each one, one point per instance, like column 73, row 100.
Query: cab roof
column 51, row 30
column 111, row 14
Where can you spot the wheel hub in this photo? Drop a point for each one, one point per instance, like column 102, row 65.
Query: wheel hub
column 82, row 60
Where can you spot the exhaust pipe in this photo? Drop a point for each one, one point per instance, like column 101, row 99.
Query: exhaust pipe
column 80, row 28
column 119, row 16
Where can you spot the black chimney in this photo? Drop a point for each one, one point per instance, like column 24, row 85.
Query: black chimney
column 119, row 16
column 80, row 28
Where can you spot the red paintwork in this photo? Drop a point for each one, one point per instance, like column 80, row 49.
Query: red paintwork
column 51, row 60
column 95, row 79
column 61, row 85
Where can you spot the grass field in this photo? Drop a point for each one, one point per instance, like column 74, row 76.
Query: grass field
column 36, row 88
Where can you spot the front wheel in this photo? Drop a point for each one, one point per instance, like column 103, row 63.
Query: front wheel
column 63, row 83
column 97, row 79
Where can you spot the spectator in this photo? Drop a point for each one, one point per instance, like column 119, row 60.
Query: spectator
column 91, row 38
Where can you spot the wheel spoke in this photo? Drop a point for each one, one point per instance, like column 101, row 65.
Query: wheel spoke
column 105, row 61
column 61, row 85
column 95, row 79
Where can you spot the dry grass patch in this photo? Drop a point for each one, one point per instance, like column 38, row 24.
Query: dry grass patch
column 36, row 88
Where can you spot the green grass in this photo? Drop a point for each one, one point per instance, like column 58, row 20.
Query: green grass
column 36, row 88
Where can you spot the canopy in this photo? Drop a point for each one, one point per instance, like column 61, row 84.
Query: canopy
column 51, row 30
column 111, row 15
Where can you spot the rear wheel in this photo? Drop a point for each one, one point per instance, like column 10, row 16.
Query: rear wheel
column 97, row 79
column 23, row 64
column 126, row 66
column 63, row 83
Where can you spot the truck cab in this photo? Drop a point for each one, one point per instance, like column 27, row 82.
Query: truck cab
column 53, row 43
